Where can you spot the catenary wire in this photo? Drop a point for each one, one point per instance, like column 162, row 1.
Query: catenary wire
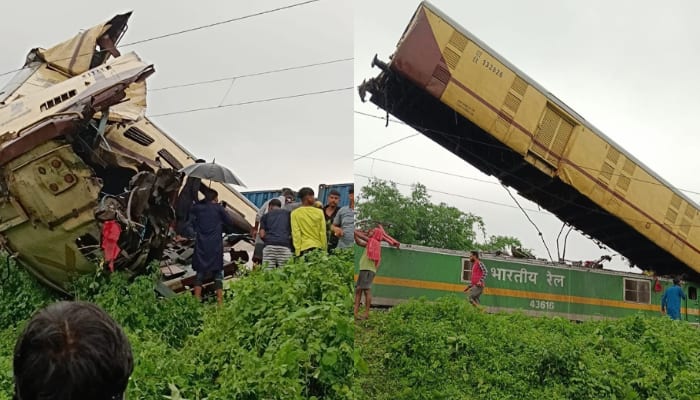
column 539, row 232
column 465, row 177
column 501, row 147
column 272, row 71
column 180, row 32
column 386, row 145
column 630, row 220
column 431, row 170
column 558, row 237
column 211, row 25
column 243, row 103
column 457, row 195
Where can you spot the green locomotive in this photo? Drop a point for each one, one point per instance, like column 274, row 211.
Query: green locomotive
column 532, row 286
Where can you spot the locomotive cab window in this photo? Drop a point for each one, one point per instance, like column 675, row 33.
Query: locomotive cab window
column 693, row 293
column 466, row 270
column 637, row 291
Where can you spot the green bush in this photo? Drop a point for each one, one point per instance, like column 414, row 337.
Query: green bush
column 449, row 350
column 285, row 334
column 21, row 294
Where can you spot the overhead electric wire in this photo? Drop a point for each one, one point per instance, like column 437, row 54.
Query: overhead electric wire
column 431, row 170
column 386, row 145
column 566, row 238
column 558, row 237
column 272, row 71
column 257, row 14
column 243, row 103
column 539, row 232
column 502, row 147
column 597, row 211
column 180, row 32
column 455, row 195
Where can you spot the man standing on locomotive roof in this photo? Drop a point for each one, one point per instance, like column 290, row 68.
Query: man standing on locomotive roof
column 478, row 276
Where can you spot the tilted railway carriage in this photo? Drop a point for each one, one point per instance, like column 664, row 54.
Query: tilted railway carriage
column 535, row 287
column 454, row 89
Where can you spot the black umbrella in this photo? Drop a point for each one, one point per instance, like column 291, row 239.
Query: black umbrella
column 213, row 172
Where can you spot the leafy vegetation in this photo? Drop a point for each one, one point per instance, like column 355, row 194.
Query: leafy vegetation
column 449, row 350
column 415, row 219
column 285, row 334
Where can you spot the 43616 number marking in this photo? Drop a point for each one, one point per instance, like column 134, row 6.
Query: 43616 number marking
column 542, row 305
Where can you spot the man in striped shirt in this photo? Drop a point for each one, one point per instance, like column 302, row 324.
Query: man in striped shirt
column 276, row 232
column 478, row 277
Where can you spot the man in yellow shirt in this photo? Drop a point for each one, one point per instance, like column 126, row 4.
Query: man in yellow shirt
column 308, row 224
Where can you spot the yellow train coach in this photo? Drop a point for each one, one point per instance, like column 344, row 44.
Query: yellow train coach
column 447, row 84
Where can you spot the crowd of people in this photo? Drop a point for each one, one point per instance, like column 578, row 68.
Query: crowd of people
column 292, row 224
column 285, row 228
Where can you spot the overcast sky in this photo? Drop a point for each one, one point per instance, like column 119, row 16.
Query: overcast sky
column 628, row 67
column 294, row 142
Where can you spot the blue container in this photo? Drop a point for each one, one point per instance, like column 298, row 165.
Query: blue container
column 259, row 197
column 343, row 188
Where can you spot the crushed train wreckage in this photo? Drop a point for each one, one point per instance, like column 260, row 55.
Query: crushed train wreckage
column 85, row 176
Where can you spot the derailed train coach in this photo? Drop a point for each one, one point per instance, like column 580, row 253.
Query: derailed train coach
column 77, row 151
column 447, row 84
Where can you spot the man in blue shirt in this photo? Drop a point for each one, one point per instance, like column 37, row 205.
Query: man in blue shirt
column 671, row 300
column 276, row 232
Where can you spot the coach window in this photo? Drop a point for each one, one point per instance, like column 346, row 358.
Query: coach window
column 638, row 291
column 693, row 293
column 466, row 270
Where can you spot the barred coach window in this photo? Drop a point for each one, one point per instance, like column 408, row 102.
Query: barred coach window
column 466, row 270
column 638, row 290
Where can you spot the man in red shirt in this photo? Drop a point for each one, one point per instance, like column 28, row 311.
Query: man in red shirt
column 476, row 286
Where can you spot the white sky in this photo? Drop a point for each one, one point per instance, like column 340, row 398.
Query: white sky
column 297, row 142
column 628, row 67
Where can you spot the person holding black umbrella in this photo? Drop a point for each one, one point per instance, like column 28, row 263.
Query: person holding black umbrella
column 208, row 218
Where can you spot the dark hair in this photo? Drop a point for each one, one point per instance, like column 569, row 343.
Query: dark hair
column 286, row 192
column 676, row 281
column 334, row 193
column 275, row 202
column 200, row 161
column 474, row 253
column 305, row 191
column 72, row 350
column 211, row 195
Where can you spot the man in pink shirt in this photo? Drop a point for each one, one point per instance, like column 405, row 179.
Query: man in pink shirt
column 476, row 286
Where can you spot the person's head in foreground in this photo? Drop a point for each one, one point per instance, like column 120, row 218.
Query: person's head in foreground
column 71, row 351
column 474, row 256
column 306, row 195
